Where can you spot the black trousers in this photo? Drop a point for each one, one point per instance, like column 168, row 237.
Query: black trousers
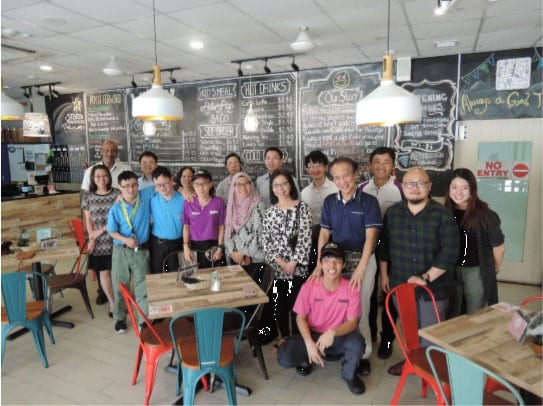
column 286, row 292
column 387, row 333
column 160, row 248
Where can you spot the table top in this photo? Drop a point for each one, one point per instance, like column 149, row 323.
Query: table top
column 166, row 297
column 484, row 338
column 66, row 248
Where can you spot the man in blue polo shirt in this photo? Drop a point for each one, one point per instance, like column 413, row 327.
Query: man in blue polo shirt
column 167, row 213
column 128, row 224
column 352, row 219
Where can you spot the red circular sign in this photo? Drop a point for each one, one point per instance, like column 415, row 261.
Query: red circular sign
column 520, row 170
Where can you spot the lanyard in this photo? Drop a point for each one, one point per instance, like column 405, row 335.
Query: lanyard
column 134, row 211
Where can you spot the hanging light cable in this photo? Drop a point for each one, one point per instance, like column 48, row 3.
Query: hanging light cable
column 250, row 122
column 389, row 104
column 157, row 103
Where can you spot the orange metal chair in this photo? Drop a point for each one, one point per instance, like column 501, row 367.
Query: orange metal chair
column 154, row 340
column 416, row 362
column 530, row 299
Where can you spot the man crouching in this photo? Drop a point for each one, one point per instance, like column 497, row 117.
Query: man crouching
column 327, row 313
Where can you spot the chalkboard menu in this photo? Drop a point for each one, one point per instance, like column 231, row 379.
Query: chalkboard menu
column 213, row 124
column 106, row 119
column 501, row 85
column 327, row 113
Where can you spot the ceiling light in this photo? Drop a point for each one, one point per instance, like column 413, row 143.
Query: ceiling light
column 293, row 65
column 113, row 68
column 46, row 68
column 389, row 104
column 240, row 71
column 55, row 93
column 133, row 82
column 303, row 42
column 446, row 43
column 196, row 44
column 443, row 6
column 40, row 93
column 149, row 128
column 266, row 67
column 157, row 103
column 11, row 110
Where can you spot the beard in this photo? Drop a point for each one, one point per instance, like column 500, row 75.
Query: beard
column 415, row 201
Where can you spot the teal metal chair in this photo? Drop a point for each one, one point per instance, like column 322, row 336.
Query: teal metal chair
column 467, row 381
column 17, row 312
column 208, row 352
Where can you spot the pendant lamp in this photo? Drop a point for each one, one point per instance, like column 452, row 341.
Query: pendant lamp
column 389, row 104
column 157, row 103
column 11, row 110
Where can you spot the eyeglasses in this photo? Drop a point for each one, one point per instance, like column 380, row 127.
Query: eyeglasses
column 410, row 185
column 314, row 166
column 129, row 186
column 242, row 184
column 280, row 185
column 199, row 184
column 162, row 185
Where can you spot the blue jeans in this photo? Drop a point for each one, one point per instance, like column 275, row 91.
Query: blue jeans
column 293, row 352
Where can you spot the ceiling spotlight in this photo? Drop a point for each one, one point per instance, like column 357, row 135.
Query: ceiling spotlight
column 266, row 67
column 293, row 65
column 443, row 6
column 52, row 93
column 303, row 42
column 55, row 93
column 172, row 79
column 240, row 71
column 25, row 93
column 113, row 68
column 133, row 82
column 40, row 92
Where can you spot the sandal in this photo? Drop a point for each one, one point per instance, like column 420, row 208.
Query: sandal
column 278, row 344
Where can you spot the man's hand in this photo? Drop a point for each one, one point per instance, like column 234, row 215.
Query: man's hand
column 131, row 242
column 317, row 273
column 357, row 277
column 326, row 340
column 187, row 252
column 417, row 280
column 313, row 353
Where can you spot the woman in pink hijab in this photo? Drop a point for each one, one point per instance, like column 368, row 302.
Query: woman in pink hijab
column 243, row 227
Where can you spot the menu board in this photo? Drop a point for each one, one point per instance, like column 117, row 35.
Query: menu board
column 501, row 85
column 327, row 113
column 106, row 119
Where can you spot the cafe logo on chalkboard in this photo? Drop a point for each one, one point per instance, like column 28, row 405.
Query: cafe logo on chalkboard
column 341, row 80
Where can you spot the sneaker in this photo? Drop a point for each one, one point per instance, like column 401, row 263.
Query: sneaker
column 385, row 348
column 364, row 367
column 356, row 386
column 120, row 327
column 303, row 369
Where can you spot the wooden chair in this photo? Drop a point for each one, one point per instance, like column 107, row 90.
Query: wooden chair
column 209, row 352
column 77, row 278
column 467, row 381
column 416, row 363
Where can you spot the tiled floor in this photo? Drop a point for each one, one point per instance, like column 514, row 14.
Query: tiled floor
column 91, row 365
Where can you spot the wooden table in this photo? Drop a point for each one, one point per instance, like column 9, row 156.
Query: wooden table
column 166, row 297
column 66, row 248
column 484, row 338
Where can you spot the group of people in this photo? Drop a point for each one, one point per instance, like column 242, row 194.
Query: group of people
column 333, row 247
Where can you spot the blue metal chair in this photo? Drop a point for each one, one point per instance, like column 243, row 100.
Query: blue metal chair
column 208, row 352
column 17, row 312
column 467, row 381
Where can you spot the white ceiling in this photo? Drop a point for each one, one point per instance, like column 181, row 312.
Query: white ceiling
column 80, row 44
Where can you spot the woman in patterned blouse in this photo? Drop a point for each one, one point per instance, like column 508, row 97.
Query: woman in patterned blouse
column 287, row 241
column 95, row 205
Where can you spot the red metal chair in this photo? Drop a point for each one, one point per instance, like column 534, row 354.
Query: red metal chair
column 416, row 362
column 154, row 341
column 530, row 299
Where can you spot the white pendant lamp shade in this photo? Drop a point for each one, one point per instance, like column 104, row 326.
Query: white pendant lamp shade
column 113, row 68
column 11, row 110
column 389, row 104
column 303, row 42
column 250, row 123
column 157, row 103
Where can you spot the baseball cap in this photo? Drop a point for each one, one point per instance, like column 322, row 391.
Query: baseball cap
column 331, row 248
column 201, row 174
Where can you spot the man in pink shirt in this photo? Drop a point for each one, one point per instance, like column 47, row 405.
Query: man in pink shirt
column 327, row 314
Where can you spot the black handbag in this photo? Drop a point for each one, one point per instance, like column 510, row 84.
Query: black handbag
column 293, row 240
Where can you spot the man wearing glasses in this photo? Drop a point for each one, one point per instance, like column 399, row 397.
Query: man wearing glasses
column 167, row 213
column 419, row 244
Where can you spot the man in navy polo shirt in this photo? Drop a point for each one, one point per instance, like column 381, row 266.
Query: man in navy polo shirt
column 352, row 219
